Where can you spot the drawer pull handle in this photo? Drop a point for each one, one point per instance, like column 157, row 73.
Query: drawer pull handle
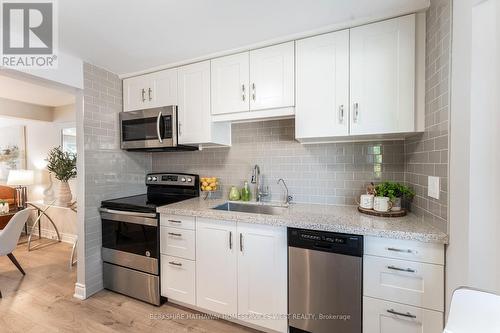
column 409, row 270
column 407, row 315
column 400, row 250
column 175, row 234
column 174, row 221
column 175, row 263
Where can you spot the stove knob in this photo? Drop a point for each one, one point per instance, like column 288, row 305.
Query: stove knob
column 190, row 180
column 183, row 179
column 150, row 178
column 155, row 179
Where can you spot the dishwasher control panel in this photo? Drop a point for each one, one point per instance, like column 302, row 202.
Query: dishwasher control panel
column 326, row 241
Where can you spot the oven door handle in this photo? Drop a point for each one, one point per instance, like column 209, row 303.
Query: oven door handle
column 148, row 219
column 158, row 131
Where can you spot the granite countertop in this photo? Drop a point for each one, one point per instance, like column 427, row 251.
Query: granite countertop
column 343, row 219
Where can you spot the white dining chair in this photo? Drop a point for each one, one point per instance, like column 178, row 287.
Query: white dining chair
column 9, row 237
column 473, row 311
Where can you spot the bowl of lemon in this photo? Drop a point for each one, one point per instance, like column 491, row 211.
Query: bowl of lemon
column 208, row 185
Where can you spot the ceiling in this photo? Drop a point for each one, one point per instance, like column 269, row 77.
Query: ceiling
column 126, row 36
column 27, row 92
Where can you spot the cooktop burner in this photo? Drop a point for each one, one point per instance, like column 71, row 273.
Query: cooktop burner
column 163, row 189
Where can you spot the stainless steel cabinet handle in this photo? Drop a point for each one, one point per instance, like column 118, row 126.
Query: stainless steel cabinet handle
column 149, row 93
column 241, row 242
column 400, row 250
column 174, row 221
column 356, row 112
column 158, row 132
column 180, row 126
column 394, row 268
column 408, row 314
column 243, row 92
column 230, row 240
column 254, row 91
column 341, row 113
column 175, row 234
column 143, row 94
column 175, row 263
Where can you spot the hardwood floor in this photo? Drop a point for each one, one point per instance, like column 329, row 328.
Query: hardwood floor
column 42, row 301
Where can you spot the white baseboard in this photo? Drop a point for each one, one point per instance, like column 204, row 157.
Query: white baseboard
column 80, row 291
column 51, row 234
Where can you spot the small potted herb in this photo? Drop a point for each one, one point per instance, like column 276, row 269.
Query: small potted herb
column 393, row 192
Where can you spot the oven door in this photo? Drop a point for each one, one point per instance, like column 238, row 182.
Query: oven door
column 147, row 129
column 131, row 240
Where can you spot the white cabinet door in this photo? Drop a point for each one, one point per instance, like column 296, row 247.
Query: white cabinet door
column 322, row 67
column 164, row 88
column 178, row 279
column 262, row 275
column 381, row 316
column 230, row 80
column 216, row 266
column 194, row 103
column 272, row 77
column 135, row 93
column 383, row 77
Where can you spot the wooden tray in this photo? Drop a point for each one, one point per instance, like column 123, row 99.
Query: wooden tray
column 400, row 213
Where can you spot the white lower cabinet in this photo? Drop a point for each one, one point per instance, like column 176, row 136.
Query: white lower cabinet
column 216, row 266
column 262, row 276
column 381, row 316
column 402, row 295
column 241, row 269
column 178, row 279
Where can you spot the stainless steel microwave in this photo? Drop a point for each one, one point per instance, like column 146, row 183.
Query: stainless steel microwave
column 151, row 130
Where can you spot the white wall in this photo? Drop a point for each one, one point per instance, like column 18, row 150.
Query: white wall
column 474, row 251
column 69, row 72
column 11, row 108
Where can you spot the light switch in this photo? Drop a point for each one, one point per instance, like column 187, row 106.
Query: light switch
column 433, row 187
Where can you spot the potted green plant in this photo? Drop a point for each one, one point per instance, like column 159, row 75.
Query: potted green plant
column 63, row 166
column 394, row 192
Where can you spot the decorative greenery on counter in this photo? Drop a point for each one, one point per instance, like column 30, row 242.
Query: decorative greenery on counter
column 394, row 190
column 61, row 164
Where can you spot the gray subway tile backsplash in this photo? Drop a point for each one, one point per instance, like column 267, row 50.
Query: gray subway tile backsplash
column 334, row 173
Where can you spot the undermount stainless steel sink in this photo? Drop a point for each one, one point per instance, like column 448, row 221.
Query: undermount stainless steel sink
column 251, row 208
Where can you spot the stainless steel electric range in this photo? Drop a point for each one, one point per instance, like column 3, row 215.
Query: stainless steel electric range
column 131, row 235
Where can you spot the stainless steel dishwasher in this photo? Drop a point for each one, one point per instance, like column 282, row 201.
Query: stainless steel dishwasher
column 325, row 276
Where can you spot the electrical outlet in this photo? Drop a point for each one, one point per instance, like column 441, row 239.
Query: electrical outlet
column 433, row 187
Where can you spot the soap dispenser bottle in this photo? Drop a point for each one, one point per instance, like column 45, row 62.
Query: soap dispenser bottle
column 246, row 194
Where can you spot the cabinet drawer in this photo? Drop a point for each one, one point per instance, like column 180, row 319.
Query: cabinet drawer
column 176, row 221
column 388, row 317
column 178, row 279
column 405, row 249
column 178, row 242
column 408, row 282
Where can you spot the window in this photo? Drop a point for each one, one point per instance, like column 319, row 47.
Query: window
column 69, row 140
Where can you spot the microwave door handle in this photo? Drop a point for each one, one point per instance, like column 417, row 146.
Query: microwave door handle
column 158, row 131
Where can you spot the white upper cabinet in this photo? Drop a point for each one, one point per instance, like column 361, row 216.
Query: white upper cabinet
column 135, row 93
column 383, row 77
column 150, row 91
column 230, row 84
column 272, row 77
column 164, row 91
column 254, row 85
column 322, row 67
column 195, row 123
